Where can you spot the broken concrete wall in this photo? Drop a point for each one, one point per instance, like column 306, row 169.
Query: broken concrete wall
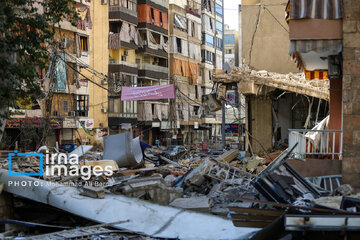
column 259, row 123
column 265, row 43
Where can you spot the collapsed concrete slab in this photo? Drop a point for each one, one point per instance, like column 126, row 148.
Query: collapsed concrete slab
column 147, row 218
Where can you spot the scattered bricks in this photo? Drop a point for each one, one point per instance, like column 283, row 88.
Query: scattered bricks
column 93, row 192
column 350, row 26
column 153, row 189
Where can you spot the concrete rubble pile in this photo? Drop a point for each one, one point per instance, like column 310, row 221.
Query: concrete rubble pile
column 154, row 190
column 293, row 82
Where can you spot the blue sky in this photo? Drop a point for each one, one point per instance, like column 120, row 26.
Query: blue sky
column 231, row 13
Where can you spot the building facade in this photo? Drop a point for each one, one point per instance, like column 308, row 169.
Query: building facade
column 195, row 52
column 231, row 47
column 123, row 41
column 152, row 62
column 336, row 33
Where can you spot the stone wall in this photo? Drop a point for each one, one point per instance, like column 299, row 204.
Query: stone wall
column 351, row 93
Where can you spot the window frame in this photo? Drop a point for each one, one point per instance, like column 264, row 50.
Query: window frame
column 81, row 111
column 216, row 26
column 220, row 14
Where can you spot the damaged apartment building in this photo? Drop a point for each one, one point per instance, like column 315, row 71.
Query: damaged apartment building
column 138, row 43
column 71, row 110
column 195, row 45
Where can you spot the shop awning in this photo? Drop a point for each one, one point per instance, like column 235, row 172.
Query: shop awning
column 320, row 46
column 316, row 9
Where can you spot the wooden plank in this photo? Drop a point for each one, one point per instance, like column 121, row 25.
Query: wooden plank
column 93, row 192
column 264, row 212
column 252, row 217
column 251, row 224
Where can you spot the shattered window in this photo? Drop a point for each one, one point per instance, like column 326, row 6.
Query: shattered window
column 81, row 105
column 180, row 22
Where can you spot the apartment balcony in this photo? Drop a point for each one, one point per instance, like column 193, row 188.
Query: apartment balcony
column 123, row 11
column 66, row 25
column 318, row 144
column 161, row 4
column 195, row 12
column 23, row 113
column 122, row 66
column 82, row 2
column 154, row 50
column 153, row 71
column 116, row 42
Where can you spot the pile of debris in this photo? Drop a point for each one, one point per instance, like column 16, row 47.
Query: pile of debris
column 294, row 82
column 177, row 186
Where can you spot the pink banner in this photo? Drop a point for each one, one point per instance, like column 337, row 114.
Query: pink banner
column 147, row 93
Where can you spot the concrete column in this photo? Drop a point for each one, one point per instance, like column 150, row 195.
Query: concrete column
column 335, row 121
column 351, row 93
column 259, row 123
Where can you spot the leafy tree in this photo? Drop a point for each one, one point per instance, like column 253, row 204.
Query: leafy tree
column 27, row 29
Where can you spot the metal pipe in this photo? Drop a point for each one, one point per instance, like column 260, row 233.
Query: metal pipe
column 223, row 126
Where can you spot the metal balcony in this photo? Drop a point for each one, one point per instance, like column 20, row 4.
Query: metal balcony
column 326, row 144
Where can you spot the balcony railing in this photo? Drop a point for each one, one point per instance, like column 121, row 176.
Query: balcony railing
column 316, row 143
column 118, row 5
column 195, row 12
column 151, row 67
column 118, row 62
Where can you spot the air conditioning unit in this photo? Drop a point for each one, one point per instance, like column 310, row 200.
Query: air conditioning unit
column 72, row 113
column 104, row 110
column 104, row 2
column 126, row 53
column 104, row 82
column 56, row 113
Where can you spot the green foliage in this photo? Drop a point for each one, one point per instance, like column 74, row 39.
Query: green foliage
column 27, row 30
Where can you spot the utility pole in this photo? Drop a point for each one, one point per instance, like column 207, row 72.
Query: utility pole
column 223, row 63
column 223, row 126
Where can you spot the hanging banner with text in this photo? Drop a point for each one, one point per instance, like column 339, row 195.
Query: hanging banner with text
column 147, row 93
